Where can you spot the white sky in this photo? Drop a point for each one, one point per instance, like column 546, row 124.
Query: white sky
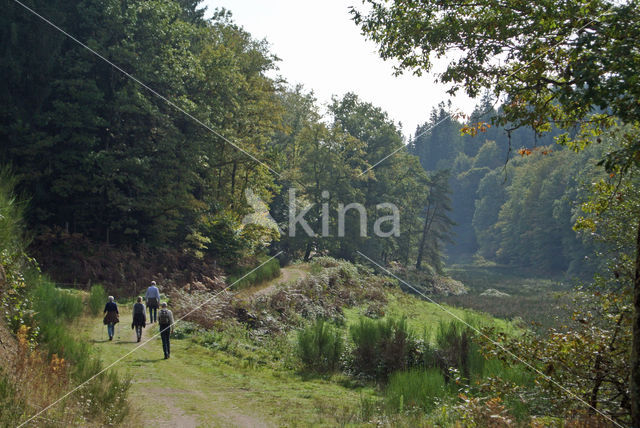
column 321, row 48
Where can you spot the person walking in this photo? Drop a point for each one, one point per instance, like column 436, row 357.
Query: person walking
column 153, row 301
column 111, row 317
column 139, row 318
column 165, row 322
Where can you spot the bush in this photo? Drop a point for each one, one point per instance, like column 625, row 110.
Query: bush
column 382, row 346
column 366, row 337
column 456, row 349
column 105, row 396
column 320, row 347
column 54, row 304
column 97, row 299
column 416, row 388
column 11, row 215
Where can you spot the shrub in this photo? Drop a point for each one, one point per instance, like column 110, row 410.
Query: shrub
column 210, row 311
column 54, row 304
column 97, row 299
column 320, row 347
column 38, row 376
column 105, row 396
column 456, row 349
column 11, row 215
column 416, row 388
column 397, row 345
column 382, row 346
column 366, row 337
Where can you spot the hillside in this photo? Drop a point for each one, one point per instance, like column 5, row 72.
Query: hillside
column 326, row 264
column 236, row 376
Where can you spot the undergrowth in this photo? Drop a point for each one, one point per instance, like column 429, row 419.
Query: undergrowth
column 46, row 361
column 244, row 278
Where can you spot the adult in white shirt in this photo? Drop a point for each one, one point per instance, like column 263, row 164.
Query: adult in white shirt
column 153, row 301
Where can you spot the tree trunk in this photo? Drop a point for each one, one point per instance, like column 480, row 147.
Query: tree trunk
column 634, row 378
column 422, row 242
column 425, row 232
column 307, row 253
column 233, row 182
column 593, row 399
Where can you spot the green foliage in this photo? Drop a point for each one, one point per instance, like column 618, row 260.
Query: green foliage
column 54, row 305
column 11, row 215
column 580, row 74
column 566, row 90
column 329, row 165
column 97, row 299
column 590, row 359
column 436, row 227
column 13, row 259
column 456, row 349
column 415, row 389
column 36, row 302
column 105, row 158
column 320, row 347
column 54, row 308
column 381, row 347
column 266, row 272
column 107, row 394
column 492, row 206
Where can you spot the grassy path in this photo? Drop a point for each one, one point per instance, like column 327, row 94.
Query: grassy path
column 191, row 389
column 287, row 274
column 200, row 387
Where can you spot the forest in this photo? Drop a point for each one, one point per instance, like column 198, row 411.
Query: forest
column 515, row 195
column 149, row 139
column 92, row 166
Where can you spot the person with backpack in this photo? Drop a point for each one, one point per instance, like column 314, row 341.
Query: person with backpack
column 153, row 301
column 139, row 318
column 165, row 322
column 112, row 316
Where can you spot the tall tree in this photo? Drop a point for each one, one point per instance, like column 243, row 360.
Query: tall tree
column 436, row 228
column 102, row 156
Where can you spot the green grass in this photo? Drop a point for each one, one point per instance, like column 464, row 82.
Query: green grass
column 97, row 299
column 229, row 385
column 243, row 279
column 12, row 409
column 55, row 309
column 416, row 388
column 222, row 378
column 423, row 316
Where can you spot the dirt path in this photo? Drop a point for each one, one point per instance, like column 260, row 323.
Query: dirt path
column 287, row 275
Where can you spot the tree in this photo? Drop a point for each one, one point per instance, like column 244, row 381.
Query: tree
column 438, row 140
column 436, row 224
column 103, row 157
column 569, row 63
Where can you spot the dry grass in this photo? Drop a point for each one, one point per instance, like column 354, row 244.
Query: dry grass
column 212, row 308
column 39, row 380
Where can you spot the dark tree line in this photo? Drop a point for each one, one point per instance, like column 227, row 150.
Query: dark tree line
column 102, row 157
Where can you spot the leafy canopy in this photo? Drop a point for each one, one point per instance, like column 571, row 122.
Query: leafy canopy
column 569, row 63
